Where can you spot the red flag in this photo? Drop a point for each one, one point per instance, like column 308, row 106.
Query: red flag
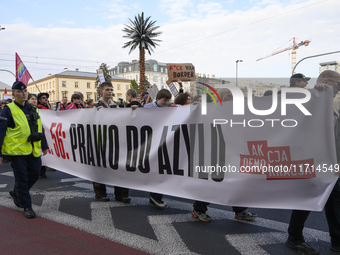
column 5, row 91
column 22, row 73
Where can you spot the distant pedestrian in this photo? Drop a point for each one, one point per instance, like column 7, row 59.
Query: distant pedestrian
column 63, row 105
column 43, row 104
column 43, row 101
column 75, row 102
column 89, row 103
column 82, row 103
column 57, row 106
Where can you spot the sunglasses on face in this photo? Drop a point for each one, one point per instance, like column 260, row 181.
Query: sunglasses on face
column 43, row 97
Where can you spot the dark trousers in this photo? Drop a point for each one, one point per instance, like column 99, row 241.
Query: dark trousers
column 203, row 207
column 296, row 225
column 332, row 209
column 26, row 172
column 43, row 171
column 100, row 190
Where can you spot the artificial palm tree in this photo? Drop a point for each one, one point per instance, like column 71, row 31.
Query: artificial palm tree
column 141, row 33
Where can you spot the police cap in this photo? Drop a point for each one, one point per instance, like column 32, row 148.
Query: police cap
column 19, row 85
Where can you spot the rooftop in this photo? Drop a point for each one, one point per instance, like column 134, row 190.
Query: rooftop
column 329, row 63
column 86, row 75
column 4, row 85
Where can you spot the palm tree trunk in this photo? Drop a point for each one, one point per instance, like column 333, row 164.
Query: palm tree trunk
column 141, row 70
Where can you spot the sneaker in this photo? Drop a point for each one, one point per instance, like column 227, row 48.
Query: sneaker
column 15, row 198
column 335, row 248
column 103, row 199
column 245, row 215
column 302, row 248
column 158, row 203
column 201, row 216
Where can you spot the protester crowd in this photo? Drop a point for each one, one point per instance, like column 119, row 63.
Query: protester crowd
column 20, row 122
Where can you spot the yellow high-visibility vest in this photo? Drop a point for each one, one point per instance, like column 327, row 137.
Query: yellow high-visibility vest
column 15, row 142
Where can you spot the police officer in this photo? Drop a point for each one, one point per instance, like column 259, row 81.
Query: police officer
column 21, row 137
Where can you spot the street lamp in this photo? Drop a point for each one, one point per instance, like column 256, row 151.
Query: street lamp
column 239, row 60
column 2, row 28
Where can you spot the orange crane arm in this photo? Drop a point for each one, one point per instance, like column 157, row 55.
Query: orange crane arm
column 294, row 47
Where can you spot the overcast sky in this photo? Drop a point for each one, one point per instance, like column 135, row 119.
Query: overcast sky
column 52, row 35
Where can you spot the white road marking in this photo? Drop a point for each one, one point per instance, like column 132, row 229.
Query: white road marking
column 72, row 180
column 11, row 174
column 168, row 239
column 249, row 244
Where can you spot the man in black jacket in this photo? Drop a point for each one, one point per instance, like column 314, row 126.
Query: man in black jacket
column 298, row 218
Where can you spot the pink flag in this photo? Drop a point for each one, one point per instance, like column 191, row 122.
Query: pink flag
column 22, row 73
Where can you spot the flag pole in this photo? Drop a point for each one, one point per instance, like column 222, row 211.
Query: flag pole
column 36, row 85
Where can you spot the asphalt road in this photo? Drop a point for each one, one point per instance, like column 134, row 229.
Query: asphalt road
column 65, row 203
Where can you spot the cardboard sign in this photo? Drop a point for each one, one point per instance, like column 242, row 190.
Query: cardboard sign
column 173, row 89
column 183, row 72
column 153, row 92
column 101, row 75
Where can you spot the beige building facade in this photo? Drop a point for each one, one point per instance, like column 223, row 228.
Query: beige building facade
column 332, row 65
column 69, row 82
column 155, row 72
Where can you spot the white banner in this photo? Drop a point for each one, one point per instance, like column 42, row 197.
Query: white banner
column 176, row 151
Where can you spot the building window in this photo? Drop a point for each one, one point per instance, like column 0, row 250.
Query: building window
column 96, row 97
column 64, row 94
column 114, row 72
column 96, row 85
column 124, row 69
column 161, row 69
column 88, row 96
column 155, row 67
column 88, row 85
column 118, row 86
column 155, row 78
column 127, row 87
column 117, row 69
column 76, row 84
column 129, row 68
column 166, row 70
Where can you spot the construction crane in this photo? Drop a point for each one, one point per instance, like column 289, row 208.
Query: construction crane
column 293, row 47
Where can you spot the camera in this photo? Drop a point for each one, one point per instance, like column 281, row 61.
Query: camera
column 121, row 105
